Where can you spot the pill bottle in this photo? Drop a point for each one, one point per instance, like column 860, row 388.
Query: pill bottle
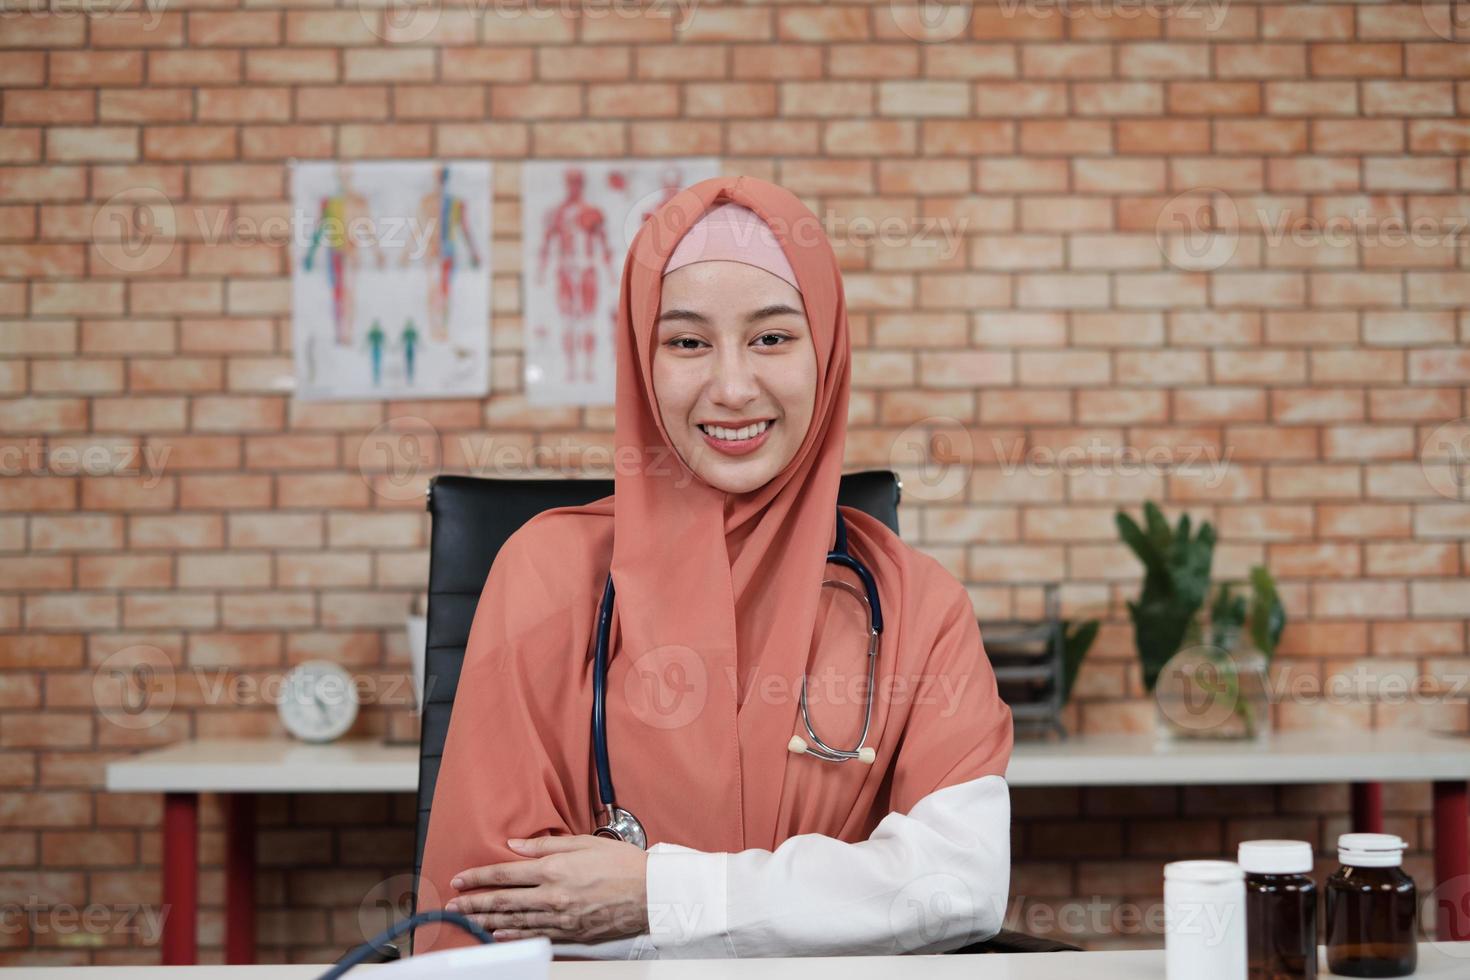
column 1204, row 920
column 1371, row 905
column 1280, row 909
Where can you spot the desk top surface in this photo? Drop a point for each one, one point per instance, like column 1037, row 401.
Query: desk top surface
column 1437, row 961
column 281, row 765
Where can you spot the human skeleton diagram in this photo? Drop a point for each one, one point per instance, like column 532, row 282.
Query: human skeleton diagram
column 574, row 239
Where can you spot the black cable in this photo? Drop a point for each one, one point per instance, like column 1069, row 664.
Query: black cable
column 367, row 949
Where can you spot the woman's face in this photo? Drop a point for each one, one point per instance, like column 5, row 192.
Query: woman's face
column 734, row 350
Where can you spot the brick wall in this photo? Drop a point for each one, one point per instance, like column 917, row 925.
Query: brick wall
column 1069, row 146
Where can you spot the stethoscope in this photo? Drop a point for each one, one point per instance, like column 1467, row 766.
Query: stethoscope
column 619, row 823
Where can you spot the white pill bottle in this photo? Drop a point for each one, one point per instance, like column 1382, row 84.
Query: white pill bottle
column 1204, row 920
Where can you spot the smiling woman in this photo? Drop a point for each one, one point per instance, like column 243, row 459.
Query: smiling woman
column 735, row 372
column 734, row 352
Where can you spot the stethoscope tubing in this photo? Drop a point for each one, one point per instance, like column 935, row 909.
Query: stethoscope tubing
column 607, row 796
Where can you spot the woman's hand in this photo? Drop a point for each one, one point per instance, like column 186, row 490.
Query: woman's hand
column 574, row 889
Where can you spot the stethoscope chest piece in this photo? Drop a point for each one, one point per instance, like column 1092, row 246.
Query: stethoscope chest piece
column 621, row 825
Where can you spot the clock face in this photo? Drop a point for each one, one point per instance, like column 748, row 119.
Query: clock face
column 318, row 701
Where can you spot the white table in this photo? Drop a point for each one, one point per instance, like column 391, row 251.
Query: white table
column 242, row 767
column 1437, row 961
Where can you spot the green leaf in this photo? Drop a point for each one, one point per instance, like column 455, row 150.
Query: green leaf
column 1267, row 614
column 1077, row 639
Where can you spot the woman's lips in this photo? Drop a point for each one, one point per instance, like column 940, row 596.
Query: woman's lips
column 738, row 447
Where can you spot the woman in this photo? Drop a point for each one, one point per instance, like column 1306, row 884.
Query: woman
column 731, row 311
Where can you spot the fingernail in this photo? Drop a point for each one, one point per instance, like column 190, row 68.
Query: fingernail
column 515, row 841
column 457, row 883
column 453, row 906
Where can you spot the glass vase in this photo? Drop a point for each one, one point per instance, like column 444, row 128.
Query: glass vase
column 1215, row 687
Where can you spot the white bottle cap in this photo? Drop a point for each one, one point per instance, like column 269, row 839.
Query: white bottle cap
column 1203, row 871
column 1275, row 857
column 1371, row 850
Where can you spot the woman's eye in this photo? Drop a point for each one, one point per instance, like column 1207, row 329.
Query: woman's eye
column 683, row 343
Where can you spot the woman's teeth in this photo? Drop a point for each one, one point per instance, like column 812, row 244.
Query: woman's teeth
column 734, row 435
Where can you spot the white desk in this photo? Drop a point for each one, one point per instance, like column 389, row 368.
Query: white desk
column 245, row 766
column 1437, row 961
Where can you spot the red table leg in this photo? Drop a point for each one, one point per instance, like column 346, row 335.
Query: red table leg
column 1367, row 808
column 1451, row 861
column 240, row 880
column 180, row 879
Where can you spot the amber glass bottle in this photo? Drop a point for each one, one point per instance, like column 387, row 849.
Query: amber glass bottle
column 1371, row 904
column 1280, row 909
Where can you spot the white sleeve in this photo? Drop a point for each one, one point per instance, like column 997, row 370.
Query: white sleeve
column 929, row 881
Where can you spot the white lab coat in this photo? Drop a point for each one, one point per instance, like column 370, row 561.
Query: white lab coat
column 929, row 881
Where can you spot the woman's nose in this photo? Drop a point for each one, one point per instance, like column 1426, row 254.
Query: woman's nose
column 734, row 381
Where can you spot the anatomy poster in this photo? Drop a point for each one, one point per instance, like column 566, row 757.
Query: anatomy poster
column 390, row 279
column 578, row 219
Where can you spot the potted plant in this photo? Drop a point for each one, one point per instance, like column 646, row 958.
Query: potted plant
column 1207, row 672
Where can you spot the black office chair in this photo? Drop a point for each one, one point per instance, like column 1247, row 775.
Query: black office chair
column 472, row 518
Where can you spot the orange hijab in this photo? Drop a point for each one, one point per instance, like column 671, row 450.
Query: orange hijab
column 719, row 612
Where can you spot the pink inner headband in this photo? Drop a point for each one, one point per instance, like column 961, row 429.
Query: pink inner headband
column 735, row 233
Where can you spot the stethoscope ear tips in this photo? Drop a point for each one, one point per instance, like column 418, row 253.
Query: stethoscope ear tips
column 865, row 755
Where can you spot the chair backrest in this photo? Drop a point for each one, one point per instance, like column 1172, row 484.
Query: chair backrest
column 471, row 518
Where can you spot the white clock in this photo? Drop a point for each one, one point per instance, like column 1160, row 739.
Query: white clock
column 318, row 701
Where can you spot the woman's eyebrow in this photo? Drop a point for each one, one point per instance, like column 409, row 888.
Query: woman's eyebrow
column 764, row 313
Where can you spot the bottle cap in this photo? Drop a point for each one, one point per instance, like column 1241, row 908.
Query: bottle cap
column 1203, row 871
column 1371, row 850
column 1275, row 857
